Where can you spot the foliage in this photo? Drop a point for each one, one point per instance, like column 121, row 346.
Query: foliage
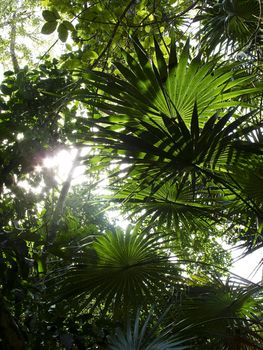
column 124, row 271
column 16, row 38
column 181, row 163
column 138, row 338
column 30, row 119
column 220, row 312
column 238, row 23
column 162, row 100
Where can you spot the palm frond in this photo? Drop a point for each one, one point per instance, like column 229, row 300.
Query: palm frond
column 225, row 315
column 229, row 22
column 120, row 271
column 168, row 89
column 143, row 338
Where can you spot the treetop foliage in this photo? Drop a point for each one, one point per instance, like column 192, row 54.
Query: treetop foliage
column 162, row 101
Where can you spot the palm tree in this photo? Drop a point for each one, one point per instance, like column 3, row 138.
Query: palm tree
column 122, row 273
column 181, row 138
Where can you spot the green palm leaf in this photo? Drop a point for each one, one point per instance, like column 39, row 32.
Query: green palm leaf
column 224, row 315
column 202, row 158
column 173, row 205
column 143, row 338
column 120, row 270
column 237, row 22
column 171, row 88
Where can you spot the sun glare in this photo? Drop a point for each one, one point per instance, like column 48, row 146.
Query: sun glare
column 62, row 164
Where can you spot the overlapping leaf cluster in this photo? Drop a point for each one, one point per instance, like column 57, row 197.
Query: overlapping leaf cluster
column 183, row 150
column 179, row 135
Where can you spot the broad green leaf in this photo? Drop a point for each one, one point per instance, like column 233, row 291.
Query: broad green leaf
column 68, row 25
column 6, row 90
column 93, row 55
column 49, row 27
column 62, row 32
column 50, row 16
column 8, row 73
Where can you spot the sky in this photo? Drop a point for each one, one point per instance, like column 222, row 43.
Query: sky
column 247, row 267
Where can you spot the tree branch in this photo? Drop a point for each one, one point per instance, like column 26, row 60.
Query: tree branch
column 114, row 32
column 53, row 228
column 13, row 44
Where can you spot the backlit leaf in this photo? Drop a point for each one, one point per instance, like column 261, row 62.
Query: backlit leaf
column 49, row 27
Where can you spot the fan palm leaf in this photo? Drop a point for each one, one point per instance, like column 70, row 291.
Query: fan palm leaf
column 167, row 116
column 174, row 205
column 161, row 88
column 119, row 271
column 230, row 21
column 224, row 315
column 143, row 338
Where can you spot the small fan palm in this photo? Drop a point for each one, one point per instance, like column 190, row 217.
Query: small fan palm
column 224, row 315
column 144, row 338
column 237, row 22
column 120, row 271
